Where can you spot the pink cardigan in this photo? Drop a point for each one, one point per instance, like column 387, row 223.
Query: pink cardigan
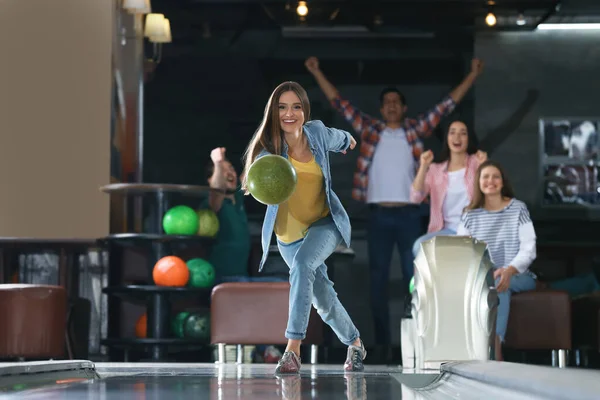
column 436, row 186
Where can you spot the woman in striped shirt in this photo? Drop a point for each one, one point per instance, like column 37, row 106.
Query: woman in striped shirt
column 449, row 183
column 495, row 217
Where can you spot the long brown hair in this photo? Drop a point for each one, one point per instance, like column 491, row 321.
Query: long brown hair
column 471, row 142
column 478, row 197
column 269, row 135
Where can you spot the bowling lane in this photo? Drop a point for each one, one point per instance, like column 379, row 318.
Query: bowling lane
column 253, row 382
column 210, row 381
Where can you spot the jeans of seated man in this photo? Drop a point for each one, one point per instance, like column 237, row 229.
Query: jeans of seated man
column 576, row 286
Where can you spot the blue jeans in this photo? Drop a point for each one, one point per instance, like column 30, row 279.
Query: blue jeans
column 518, row 283
column 443, row 232
column 577, row 285
column 389, row 227
column 309, row 283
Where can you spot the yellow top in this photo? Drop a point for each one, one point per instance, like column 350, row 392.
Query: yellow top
column 306, row 205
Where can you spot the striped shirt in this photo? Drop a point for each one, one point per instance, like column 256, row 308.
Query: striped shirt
column 370, row 130
column 436, row 186
column 508, row 233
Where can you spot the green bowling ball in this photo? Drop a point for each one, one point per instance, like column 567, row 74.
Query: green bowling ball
column 272, row 179
column 411, row 285
column 208, row 223
column 197, row 326
column 202, row 273
column 180, row 220
column 177, row 324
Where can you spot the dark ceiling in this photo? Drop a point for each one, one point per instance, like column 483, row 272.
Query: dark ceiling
column 262, row 28
column 379, row 16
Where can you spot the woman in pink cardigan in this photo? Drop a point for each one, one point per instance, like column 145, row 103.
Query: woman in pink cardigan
column 449, row 183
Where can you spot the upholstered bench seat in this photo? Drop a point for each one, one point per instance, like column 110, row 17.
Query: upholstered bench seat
column 541, row 320
column 32, row 321
column 254, row 313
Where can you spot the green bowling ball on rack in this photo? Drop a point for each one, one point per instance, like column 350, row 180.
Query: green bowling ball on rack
column 178, row 323
column 202, row 273
column 180, row 220
column 208, row 223
column 197, row 326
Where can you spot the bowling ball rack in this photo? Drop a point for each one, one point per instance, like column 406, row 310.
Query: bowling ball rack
column 158, row 300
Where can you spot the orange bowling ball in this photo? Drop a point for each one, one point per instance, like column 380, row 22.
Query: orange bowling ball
column 141, row 326
column 171, row 271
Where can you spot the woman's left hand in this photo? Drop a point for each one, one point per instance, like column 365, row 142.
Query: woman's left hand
column 504, row 274
column 352, row 144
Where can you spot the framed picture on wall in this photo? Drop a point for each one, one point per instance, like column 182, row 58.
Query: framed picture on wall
column 570, row 161
column 570, row 139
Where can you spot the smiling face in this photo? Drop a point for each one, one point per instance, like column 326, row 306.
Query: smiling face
column 231, row 179
column 490, row 181
column 291, row 113
column 458, row 138
column 392, row 108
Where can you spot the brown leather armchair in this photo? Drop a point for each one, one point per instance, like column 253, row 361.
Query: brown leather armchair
column 32, row 321
column 244, row 313
column 541, row 320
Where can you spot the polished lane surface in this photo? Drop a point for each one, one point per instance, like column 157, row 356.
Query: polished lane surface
column 256, row 381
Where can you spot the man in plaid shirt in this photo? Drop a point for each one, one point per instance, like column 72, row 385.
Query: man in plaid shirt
column 389, row 155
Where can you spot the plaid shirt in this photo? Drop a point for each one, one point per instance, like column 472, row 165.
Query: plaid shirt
column 370, row 130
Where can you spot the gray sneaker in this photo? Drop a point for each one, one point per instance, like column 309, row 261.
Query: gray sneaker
column 288, row 364
column 355, row 357
column 291, row 387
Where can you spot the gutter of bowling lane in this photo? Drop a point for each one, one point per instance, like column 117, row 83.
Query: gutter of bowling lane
column 539, row 381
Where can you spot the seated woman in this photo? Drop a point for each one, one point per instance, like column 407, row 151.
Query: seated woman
column 495, row 217
column 449, row 183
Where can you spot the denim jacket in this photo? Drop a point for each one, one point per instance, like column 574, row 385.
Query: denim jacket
column 321, row 141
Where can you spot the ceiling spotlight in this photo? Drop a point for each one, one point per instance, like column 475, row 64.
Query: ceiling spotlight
column 521, row 20
column 302, row 9
column 490, row 19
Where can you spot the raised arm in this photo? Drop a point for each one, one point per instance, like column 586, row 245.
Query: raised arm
column 425, row 124
column 527, row 247
column 461, row 90
column 359, row 120
column 215, row 198
column 420, row 186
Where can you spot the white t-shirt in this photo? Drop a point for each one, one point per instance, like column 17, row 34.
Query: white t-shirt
column 457, row 198
column 392, row 169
